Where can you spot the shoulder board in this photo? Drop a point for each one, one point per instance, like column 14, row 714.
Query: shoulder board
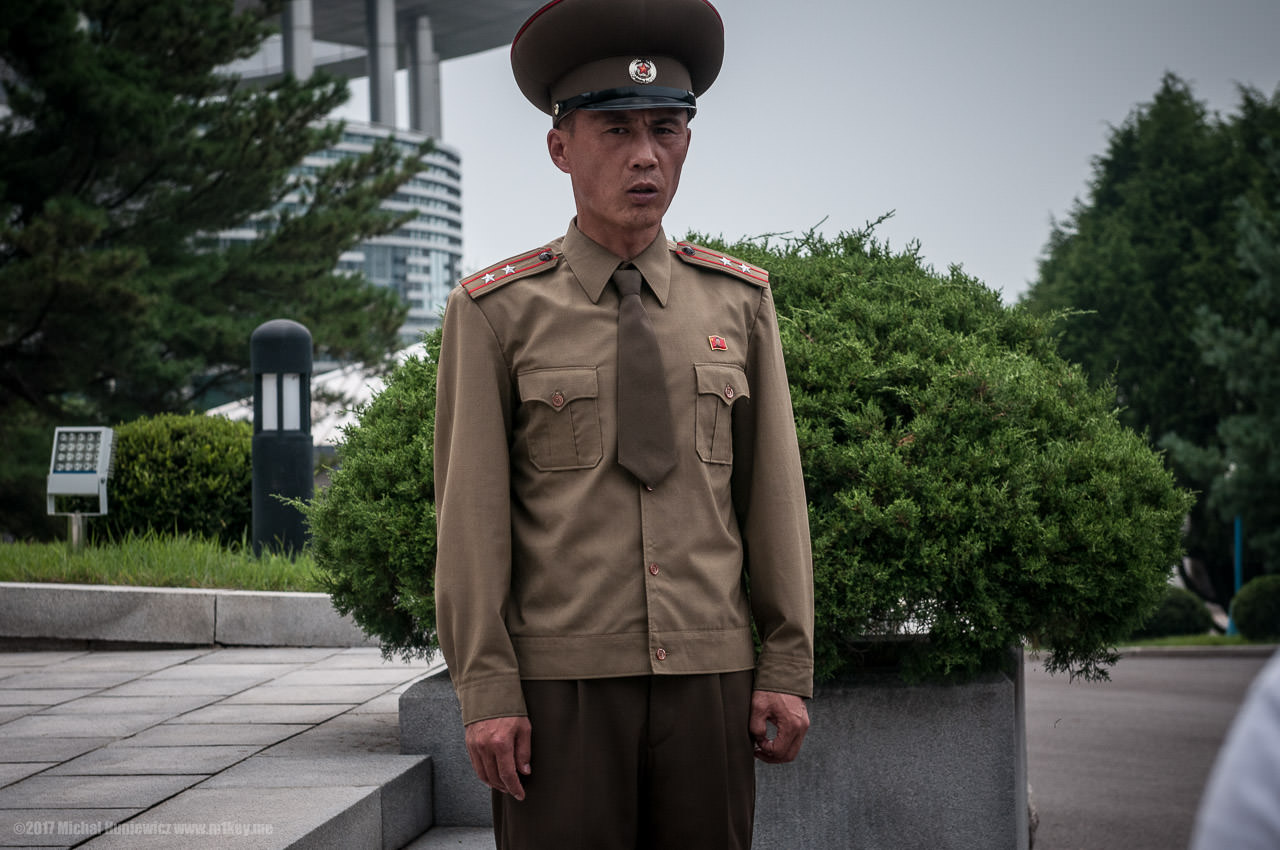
column 511, row 269
column 696, row 255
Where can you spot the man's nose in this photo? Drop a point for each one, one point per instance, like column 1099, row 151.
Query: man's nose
column 644, row 154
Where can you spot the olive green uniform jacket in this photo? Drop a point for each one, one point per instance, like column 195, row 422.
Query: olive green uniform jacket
column 553, row 561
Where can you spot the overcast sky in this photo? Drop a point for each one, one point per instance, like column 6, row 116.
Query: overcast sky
column 974, row 122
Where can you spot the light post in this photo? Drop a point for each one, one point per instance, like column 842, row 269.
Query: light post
column 82, row 462
column 280, row 356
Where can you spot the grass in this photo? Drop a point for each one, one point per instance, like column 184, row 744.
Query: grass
column 1195, row 640
column 153, row 560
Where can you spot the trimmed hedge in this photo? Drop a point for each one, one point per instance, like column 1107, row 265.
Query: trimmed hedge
column 1181, row 612
column 963, row 479
column 1256, row 608
column 181, row 474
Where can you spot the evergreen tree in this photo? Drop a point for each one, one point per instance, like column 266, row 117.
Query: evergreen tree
column 1243, row 463
column 125, row 147
column 1135, row 263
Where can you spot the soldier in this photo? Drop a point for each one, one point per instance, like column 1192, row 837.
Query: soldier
column 617, row 477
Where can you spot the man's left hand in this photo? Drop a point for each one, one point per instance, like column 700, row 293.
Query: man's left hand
column 786, row 712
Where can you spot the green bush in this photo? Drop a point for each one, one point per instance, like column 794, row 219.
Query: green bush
column 1181, row 612
column 373, row 529
column 181, row 474
column 963, row 479
column 1256, row 608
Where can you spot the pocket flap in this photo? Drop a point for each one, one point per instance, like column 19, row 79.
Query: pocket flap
column 726, row 381
column 557, row 387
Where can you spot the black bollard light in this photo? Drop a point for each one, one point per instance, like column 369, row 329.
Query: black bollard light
column 280, row 356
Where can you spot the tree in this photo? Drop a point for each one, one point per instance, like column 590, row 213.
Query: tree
column 126, row 147
column 1242, row 463
column 1134, row 264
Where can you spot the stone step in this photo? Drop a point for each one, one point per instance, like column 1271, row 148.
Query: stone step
column 455, row 838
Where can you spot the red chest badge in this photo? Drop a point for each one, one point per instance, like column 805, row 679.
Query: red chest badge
column 718, row 343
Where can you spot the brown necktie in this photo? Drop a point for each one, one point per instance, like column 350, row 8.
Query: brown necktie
column 646, row 441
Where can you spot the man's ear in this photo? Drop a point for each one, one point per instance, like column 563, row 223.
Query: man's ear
column 557, row 148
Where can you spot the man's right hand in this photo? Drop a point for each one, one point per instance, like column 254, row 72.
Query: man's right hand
column 500, row 750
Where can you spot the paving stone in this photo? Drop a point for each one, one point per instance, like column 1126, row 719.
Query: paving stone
column 11, row 772
column 13, row 712
column 41, row 696
column 347, row 734
column 455, row 838
column 52, row 677
column 123, row 761
column 360, row 656
column 315, row 818
column 139, row 660
column 20, row 749
column 213, row 734
column 170, row 706
column 218, row 686
column 93, row 792
column 268, row 693
column 81, row 726
column 37, row 658
column 55, row 827
column 222, row 713
column 261, row 672
column 387, row 703
column 267, row 655
column 319, row 771
column 388, row 676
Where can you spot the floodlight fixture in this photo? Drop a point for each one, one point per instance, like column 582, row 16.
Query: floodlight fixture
column 82, row 462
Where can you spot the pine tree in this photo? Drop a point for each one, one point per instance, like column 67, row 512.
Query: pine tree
column 124, row 148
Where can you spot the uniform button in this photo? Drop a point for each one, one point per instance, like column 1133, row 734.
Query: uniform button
column 661, row 655
column 653, row 569
column 688, row 250
column 545, row 256
column 728, row 391
column 557, row 399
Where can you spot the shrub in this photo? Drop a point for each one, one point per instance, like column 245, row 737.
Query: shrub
column 1256, row 608
column 373, row 529
column 1181, row 612
column 963, row 479
column 181, row 474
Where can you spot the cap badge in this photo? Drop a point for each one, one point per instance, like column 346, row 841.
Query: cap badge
column 718, row 343
column 643, row 71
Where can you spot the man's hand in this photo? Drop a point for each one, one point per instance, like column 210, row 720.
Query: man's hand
column 500, row 750
column 788, row 714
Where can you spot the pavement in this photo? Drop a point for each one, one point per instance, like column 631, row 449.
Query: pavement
column 212, row 747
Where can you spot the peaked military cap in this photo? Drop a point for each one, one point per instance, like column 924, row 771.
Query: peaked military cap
column 618, row 54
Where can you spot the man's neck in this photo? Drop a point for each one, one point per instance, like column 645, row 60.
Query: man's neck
column 627, row 244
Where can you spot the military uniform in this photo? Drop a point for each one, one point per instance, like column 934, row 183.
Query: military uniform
column 555, row 562
column 601, row 578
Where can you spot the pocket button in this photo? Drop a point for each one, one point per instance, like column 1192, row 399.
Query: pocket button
column 557, row 399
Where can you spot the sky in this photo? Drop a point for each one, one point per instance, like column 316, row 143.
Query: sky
column 974, row 123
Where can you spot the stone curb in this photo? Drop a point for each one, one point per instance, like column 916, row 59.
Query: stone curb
column 173, row 616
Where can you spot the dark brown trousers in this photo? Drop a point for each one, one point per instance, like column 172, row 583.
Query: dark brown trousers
column 640, row 763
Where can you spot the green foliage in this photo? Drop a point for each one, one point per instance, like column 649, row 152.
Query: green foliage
column 125, row 148
column 181, row 475
column 1256, row 608
column 159, row 560
column 373, row 529
column 963, row 479
column 1145, row 257
column 1181, row 612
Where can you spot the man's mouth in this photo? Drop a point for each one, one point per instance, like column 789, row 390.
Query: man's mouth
column 643, row 191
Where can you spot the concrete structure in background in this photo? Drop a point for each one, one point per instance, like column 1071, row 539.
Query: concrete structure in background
column 375, row 39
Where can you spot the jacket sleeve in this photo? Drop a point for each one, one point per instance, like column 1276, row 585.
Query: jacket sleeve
column 472, row 472
column 773, row 515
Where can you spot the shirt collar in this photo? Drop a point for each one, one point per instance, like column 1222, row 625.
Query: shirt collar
column 593, row 264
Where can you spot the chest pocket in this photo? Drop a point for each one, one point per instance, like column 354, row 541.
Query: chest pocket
column 562, row 421
column 720, row 386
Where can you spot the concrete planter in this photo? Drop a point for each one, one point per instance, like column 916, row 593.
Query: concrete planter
column 885, row 765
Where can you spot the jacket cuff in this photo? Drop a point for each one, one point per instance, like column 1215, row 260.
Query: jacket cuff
column 784, row 675
column 496, row 697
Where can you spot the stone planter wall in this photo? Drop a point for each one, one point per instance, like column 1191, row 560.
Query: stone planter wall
column 885, row 765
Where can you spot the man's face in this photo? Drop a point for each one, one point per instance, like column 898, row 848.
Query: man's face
column 625, row 167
